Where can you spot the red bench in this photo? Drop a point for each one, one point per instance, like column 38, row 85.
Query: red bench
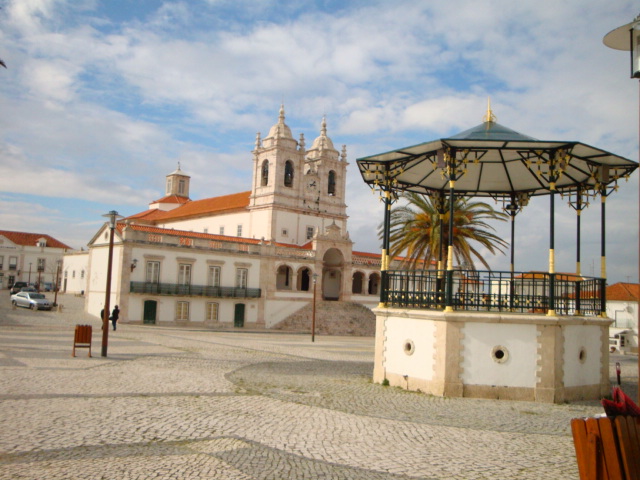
column 607, row 448
column 82, row 338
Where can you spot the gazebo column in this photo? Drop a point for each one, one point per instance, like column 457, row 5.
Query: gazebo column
column 384, row 259
column 441, row 214
column 603, row 253
column 512, row 210
column 578, row 206
column 552, row 259
column 449, row 292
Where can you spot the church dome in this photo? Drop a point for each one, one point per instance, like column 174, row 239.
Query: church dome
column 280, row 129
column 323, row 142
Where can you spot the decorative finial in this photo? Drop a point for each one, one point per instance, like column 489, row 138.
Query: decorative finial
column 489, row 117
column 302, row 142
column 178, row 166
column 323, row 130
column 281, row 117
column 343, row 155
column 258, row 140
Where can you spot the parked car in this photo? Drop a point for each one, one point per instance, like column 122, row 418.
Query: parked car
column 48, row 286
column 33, row 300
column 16, row 287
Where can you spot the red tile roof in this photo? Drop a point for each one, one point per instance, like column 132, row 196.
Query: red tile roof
column 207, row 236
column 195, row 208
column 625, row 292
column 30, row 239
column 570, row 277
column 173, row 199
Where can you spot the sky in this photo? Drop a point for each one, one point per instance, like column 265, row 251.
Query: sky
column 102, row 98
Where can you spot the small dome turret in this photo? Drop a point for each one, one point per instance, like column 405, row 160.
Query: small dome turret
column 280, row 129
column 323, row 142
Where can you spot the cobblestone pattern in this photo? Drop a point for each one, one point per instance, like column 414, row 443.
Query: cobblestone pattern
column 188, row 404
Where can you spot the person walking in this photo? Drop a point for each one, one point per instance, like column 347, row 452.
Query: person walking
column 114, row 316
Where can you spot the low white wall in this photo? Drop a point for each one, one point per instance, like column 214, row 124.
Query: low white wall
column 409, row 347
column 582, row 355
column 481, row 367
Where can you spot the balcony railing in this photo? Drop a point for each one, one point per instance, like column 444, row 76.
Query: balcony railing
column 478, row 290
column 193, row 290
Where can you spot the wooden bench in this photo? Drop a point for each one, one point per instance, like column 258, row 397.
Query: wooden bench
column 82, row 338
column 607, row 448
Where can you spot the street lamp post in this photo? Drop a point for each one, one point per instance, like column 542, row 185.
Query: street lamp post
column 627, row 38
column 57, row 283
column 313, row 316
column 29, row 281
column 112, row 216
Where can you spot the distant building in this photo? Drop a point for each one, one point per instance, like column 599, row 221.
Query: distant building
column 249, row 258
column 29, row 257
column 622, row 307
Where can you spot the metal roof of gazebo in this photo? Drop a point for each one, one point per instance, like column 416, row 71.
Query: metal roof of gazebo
column 493, row 160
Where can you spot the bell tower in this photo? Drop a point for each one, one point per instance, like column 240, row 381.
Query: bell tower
column 296, row 194
column 177, row 183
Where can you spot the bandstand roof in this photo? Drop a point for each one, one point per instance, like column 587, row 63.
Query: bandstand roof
column 493, row 160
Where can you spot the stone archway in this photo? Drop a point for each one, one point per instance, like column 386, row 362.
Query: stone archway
column 333, row 263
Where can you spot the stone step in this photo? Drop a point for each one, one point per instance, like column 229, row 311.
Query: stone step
column 332, row 318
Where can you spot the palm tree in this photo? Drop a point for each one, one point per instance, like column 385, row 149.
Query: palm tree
column 415, row 230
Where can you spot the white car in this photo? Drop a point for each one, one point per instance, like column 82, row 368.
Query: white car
column 34, row 300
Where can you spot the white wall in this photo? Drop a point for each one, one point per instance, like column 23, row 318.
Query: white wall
column 75, row 270
column 582, row 355
column 479, row 365
column 402, row 332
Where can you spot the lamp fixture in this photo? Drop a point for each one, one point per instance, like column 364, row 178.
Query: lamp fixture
column 134, row 264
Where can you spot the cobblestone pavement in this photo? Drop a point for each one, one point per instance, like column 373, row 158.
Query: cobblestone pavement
column 193, row 404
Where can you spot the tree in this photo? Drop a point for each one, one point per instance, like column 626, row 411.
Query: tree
column 415, row 231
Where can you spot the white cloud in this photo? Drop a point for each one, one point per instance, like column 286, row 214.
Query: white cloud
column 104, row 109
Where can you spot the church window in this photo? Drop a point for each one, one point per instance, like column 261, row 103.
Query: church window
column 356, row 286
column 184, row 274
column 283, row 278
column 153, row 272
column 212, row 312
column 222, row 230
column 331, row 190
column 239, row 233
column 181, row 187
column 310, row 232
column 168, row 186
column 285, row 232
column 304, row 279
column 213, row 278
column 182, row 311
column 13, row 263
column 374, row 283
column 288, row 174
column 241, row 277
column 265, row 173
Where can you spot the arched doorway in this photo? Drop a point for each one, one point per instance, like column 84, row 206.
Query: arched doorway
column 332, row 274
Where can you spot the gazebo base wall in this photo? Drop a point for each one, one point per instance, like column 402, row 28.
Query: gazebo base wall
column 493, row 355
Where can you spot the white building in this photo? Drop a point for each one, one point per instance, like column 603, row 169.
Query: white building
column 622, row 307
column 245, row 259
column 29, row 257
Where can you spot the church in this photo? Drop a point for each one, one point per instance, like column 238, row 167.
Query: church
column 247, row 260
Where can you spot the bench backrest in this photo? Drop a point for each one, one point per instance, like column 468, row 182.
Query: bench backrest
column 82, row 334
column 606, row 448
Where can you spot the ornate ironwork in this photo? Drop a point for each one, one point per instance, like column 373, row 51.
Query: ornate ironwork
column 193, row 290
column 481, row 290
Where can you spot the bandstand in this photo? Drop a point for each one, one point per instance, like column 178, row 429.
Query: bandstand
column 460, row 332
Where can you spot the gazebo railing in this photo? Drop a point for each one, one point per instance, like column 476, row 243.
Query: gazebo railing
column 481, row 290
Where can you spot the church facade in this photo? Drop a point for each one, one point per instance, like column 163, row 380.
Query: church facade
column 249, row 259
